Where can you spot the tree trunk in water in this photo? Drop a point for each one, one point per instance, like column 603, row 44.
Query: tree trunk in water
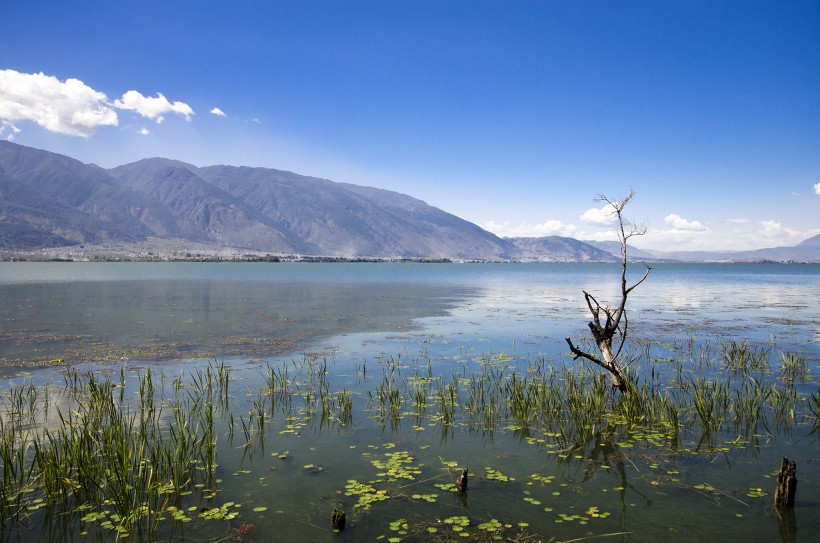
column 616, row 378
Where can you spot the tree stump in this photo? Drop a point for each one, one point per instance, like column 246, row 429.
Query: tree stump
column 338, row 520
column 461, row 483
column 786, row 484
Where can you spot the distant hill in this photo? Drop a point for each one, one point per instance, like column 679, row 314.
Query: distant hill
column 614, row 248
column 811, row 242
column 798, row 253
column 560, row 249
column 51, row 200
column 807, row 251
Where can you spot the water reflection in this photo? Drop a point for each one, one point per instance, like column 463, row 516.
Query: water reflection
column 172, row 318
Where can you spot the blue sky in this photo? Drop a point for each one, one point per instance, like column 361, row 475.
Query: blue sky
column 511, row 114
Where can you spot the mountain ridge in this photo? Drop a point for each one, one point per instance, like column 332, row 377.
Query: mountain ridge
column 52, row 200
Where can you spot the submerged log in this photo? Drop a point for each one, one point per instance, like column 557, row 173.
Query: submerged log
column 786, row 484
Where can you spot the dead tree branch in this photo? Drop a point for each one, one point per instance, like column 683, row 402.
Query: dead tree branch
column 603, row 334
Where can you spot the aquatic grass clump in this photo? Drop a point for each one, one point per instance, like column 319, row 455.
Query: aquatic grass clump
column 794, row 367
column 812, row 403
column 710, row 401
column 739, row 357
column 121, row 464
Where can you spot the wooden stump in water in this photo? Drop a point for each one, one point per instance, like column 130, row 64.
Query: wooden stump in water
column 461, row 483
column 338, row 520
column 786, row 484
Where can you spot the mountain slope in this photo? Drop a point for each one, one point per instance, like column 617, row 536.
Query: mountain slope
column 811, row 242
column 614, row 248
column 347, row 220
column 51, row 200
column 199, row 211
column 561, row 249
column 80, row 202
column 28, row 220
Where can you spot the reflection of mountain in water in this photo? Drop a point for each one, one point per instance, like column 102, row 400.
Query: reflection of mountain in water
column 166, row 318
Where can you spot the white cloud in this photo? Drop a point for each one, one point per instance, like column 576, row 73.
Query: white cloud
column 152, row 107
column 69, row 107
column 143, row 131
column 218, row 112
column 817, row 188
column 604, row 216
column 524, row 230
column 679, row 223
column 778, row 235
column 6, row 126
column 684, row 235
column 739, row 234
column 775, row 229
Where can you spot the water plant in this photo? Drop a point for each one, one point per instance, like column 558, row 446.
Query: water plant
column 138, row 453
column 121, row 464
column 739, row 357
column 793, row 367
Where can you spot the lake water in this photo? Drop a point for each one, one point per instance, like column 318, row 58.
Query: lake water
column 85, row 311
column 359, row 322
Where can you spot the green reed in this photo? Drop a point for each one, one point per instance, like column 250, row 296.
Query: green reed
column 812, row 403
column 739, row 357
column 102, row 450
column 89, row 445
column 793, row 367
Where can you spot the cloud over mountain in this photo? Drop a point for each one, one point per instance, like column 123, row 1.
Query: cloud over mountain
column 71, row 107
column 153, row 107
column 604, row 216
column 679, row 223
column 522, row 230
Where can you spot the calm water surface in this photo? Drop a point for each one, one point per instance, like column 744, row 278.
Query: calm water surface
column 80, row 311
column 359, row 321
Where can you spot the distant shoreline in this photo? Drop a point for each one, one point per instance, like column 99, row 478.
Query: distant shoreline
column 198, row 257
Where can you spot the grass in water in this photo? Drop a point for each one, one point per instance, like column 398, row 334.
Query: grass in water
column 131, row 457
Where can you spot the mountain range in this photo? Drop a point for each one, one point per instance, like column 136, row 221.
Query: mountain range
column 49, row 200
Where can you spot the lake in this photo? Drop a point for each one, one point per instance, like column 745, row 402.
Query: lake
column 366, row 387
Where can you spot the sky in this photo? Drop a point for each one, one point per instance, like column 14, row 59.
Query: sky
column 512, row 114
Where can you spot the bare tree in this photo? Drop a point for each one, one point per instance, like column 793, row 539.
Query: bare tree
column 611, row 323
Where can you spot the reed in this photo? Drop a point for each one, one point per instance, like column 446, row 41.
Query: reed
column 739, row 357
column 90, row 444
column 812, row 403
column 793, row 367
column 104, row 451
